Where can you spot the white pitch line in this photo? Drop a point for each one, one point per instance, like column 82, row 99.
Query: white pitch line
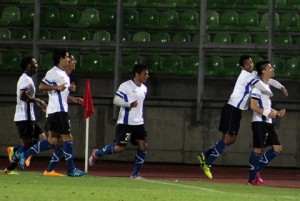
column 182, row 185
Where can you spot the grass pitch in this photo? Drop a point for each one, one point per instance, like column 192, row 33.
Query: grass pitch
column 34, row 186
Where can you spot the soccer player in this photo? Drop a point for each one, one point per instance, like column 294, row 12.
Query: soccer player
column 57, row 84
column 130, row 125
column 231, row 113
column 264, row 132
column 29, row 130
column 58, row 151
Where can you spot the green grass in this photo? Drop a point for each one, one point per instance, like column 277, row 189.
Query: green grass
column 31, row 186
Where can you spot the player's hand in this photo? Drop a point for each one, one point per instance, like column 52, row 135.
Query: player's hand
column 281, row 113
column 284, row 91
column 272, row 114
column 134, row 104
column 41, row 104
column 61, row 87
column 72, row 87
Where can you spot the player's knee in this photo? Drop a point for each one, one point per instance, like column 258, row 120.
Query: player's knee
column 118, row 149
column 277, row 148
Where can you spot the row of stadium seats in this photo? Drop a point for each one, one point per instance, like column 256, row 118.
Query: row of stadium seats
column 166, row 65
column 246, row 4
column 143, row 36
column 151, row 18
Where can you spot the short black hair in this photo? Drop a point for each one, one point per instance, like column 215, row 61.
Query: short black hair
column 57, row 54
column 243, row 58
column 25, row 62
column 260, row 66
column 138, row 68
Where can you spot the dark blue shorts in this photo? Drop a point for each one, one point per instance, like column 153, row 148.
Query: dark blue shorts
column 59, row 123
column 264, row 134
column 230, row 120
column 29, row 129
column 129, row 133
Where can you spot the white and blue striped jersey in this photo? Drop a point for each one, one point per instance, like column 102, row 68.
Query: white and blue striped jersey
column 57, row 99
column 264, row 103
column 25, row 82
column 129, row 92
column 240, row 96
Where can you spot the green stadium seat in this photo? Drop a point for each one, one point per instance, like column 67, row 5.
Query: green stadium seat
column 130, row 3
column 50, row 16
column 62, row 35
column 249, row 19
column 103, row 36
column 168, row 19
column 27, row 16
column 23, row 34
column 11, row 60
column 109, row 3
column 109, row 18
column 293, row 68
column 231, row 66
column 283, row 39
column 196, row 38
column 129, row 61
column 149, row 19
column 214, row 66
column 189, row 19
column 192, row 3
column 172, row 65
column 45, row 34
column 131, row 17
column 68, row 3
column 190, row 65
column 256, row 59
column 261, row 38
column 5, row 33
column 216, row 3
column 212, row 20
column 141, row 36
column 108, row 63
column 181, row 37
column 46, row 63
column 70, row 15
column 161, row 37
column 154, row 62
column 265, row 20
column 222, row 38
column 49, row 2
column 289, row 21
column 92, row 63
column 125, row 37
column 242, row 38
column 229, row 20
column 252, row 4
column 89, row 16
column 295, row 4
column 10, row 15
column 279, row 66
column 81, row 35
column 280, row 4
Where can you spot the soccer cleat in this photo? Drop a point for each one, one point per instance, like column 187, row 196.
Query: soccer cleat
column 206, row 170
column 254, row 183
column 21, row 161
column 27, row 162
column 258, row 178
column 201, row 158
column 93, row 158
column 204, row 167
column 136, row 177
column 10, row 153
column 52, row 173
column 76, row 173
column 10, row 172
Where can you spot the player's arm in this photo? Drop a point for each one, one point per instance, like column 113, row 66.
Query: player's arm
column 24, row 96
column 263, row 88
column 45, row 87
column 278, row 85
column 270, row 113
column 119, row 101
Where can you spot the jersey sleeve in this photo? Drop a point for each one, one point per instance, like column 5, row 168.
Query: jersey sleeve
column 256, row 93
column 275, row 83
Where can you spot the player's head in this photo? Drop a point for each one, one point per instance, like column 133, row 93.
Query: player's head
column 72, row 63
column 263, row 65
column 246, row 63
column 29, row 65
column 60, row 57
column 140, row 71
